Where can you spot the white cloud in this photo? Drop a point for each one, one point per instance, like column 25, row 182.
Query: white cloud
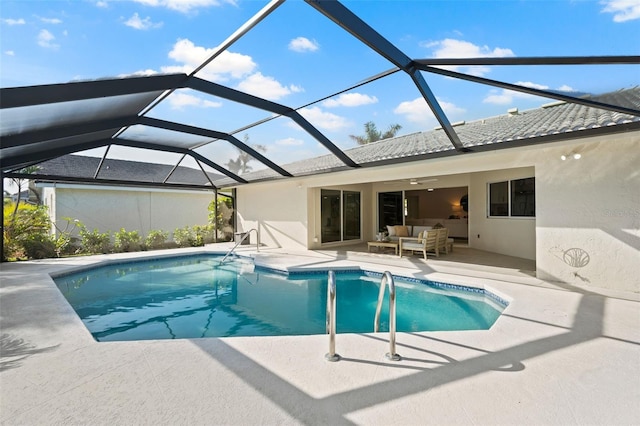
column 565, row 88
column 417, row 110
column 324, row 120
column 45, row 39
column 181, row 100
column 226, row 65
column 265, row 87
column 140, row 73
column 350, row 100
column 141, row 24
column 303, row 44
column 290, row 142
column 623, row 10
column 53, row 21
column 452, row 48
column 184, row 6
column 506, row 97
column 10, row 53
column 531, row 85
column 296, row 89
column 10, row 21
column 102, row 4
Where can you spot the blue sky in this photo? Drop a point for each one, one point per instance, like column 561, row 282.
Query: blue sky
column 296, row 56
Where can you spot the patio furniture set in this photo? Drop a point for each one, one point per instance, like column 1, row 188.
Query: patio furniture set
column 427, row 241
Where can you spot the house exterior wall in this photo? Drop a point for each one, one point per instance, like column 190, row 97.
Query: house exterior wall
column 287, row 213
column 110, row 208
column 589, row 229
column 591, row 204
column 278, row 211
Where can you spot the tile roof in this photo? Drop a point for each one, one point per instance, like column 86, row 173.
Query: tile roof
column 81, row 166
column 535, row 126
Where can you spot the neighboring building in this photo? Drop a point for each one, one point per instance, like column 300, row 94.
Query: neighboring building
column 26, row 196
column 111, row 207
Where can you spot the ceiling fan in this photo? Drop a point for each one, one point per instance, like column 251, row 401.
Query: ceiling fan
column 412, row 181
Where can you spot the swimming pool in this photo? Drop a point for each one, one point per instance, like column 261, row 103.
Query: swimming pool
column 195, row 296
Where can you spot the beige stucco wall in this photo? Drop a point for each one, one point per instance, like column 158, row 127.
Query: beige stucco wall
column 109, row 209
column 592, row 204
column 287, row 213
column 278, row 211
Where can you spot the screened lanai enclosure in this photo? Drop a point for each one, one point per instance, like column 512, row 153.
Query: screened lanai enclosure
column 130, row 117
column 130, row 130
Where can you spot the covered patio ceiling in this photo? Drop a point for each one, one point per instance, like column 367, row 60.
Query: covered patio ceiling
column 41, row 123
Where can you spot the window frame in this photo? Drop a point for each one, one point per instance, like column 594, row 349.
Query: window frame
column 509, row 202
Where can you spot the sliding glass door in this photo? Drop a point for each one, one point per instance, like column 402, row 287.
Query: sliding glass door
column 340, row 213
column 390, row 209
column 351, row 215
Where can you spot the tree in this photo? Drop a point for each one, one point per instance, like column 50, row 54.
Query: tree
column 372, row 134
column 18, row 182
column 241, row 164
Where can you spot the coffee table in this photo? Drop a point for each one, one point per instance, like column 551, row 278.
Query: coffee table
column 382, row 244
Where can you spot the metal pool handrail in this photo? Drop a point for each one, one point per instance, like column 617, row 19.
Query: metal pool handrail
column 387, row 280
column 244, row 237
column 331, row 318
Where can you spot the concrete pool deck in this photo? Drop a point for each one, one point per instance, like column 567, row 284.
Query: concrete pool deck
column 559, row 354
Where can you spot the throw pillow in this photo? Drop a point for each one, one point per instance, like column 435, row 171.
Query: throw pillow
column 391, row 230
column 402, row 231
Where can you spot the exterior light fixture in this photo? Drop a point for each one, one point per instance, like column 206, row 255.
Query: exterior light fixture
column 430, row 189
column 575, row 155
column 413, row 182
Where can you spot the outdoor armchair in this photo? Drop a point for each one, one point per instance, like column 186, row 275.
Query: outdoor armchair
column 426, row 243
column 443, row 236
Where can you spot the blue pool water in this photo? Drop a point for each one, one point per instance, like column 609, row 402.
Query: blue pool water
column 195, row 296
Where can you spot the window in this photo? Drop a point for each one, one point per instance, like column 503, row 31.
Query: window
column 499, row 199
column 523, row 197
column 340, row 215
column 514, row 198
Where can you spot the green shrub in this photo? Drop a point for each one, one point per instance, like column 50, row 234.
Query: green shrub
column 39, row 246
column 203, row 234
column 156, row 239
column 65, row 243
column 184, row 237
column 94, row 241
column 223, row 221
column 25, row 225
column 127, row 240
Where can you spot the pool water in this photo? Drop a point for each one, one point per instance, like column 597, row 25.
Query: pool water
column 195, row 296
